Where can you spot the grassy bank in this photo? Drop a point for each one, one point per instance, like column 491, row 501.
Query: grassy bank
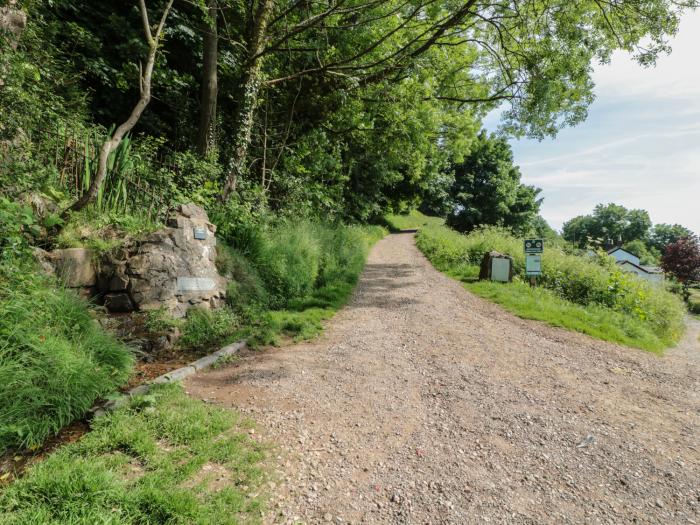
column 588, row 295
column 412, row 220
column 55, row 360
column 284, row 281
column 164, row 459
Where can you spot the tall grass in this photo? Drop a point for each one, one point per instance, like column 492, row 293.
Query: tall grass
column 593, row 282
column 412, row 220
column 289, row 277
column 55, row 360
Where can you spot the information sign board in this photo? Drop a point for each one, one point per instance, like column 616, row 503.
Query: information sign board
column 534, row 245
column 533, row 264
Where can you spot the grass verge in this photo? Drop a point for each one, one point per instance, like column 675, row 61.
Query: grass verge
column 412, row 220
column 543, row 305
column 287, row 279
column 165, row 458
column 584, row 294
column 55, row 360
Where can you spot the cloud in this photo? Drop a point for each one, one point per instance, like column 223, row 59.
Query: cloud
column 640, row 146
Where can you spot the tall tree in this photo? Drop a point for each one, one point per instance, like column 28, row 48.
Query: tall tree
column 487, row 189
column 662, row 235
column 210, row 79
column 145, row 78
column 248, row 101
column 610, row 224
column 536, row 55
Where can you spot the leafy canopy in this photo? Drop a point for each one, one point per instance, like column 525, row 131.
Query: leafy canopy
column 487, row 189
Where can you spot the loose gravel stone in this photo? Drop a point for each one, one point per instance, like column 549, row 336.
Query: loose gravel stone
column 422, row 403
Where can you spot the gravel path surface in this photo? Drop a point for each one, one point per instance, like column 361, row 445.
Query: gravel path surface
column 422, row 403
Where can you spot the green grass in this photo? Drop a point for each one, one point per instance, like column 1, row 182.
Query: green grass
column 284, row 282
column 543, row 305
column 165, row 458
column 412, row 220
column 207, row 329
column 588, row 295
column 55, row 360
column 302, row 319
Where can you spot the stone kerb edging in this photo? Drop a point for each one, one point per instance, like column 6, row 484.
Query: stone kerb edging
column 170, row 377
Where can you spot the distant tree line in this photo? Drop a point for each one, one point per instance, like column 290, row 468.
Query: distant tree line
column 613, row 225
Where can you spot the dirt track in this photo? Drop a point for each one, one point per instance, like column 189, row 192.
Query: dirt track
column 422, row 403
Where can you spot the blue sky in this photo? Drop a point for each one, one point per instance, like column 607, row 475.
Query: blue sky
column 640, row 146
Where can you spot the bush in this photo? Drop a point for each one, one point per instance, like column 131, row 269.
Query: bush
column 245, row 289
column 204, row 329
column 290, row 261
column 580, row 280
column 55, row 360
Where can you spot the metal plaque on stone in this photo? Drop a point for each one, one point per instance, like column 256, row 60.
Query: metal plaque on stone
column 200, row 233
column 195, row 284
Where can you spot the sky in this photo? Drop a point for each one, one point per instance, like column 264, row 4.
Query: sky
column 639, row 147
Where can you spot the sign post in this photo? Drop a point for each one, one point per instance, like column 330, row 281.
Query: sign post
column 533, row 259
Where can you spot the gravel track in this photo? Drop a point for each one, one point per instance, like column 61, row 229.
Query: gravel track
column 422, row 403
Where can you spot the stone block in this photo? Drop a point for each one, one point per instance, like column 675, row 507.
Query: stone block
column 119, row 302
column 170, row 268
column 75, row 267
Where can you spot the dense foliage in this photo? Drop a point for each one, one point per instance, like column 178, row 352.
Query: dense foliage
column 614, row 225
column 595, row 282
column 487, row 190
column 341, row 109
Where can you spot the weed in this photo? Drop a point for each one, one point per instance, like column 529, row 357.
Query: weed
column 206, row 329
column 225, row 360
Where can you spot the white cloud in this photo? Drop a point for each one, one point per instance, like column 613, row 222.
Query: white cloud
column 640, row 146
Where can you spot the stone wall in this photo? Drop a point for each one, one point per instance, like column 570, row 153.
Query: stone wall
column 172, row 268
column 12, row 22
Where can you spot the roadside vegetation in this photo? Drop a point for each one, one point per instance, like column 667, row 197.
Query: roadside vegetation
column 285, row 279
column 164, row 458
column 55, row 359
column 413, row 220
column 589, row 295
column 115, row 112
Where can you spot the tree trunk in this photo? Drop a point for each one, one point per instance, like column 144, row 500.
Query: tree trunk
column 250, row 89
column 210, row 82
column 145, row 88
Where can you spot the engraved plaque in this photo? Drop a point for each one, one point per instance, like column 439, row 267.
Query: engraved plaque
column 195, row 284
column 200, row 233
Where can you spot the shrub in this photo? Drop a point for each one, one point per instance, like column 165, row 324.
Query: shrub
column 204, row 329
column 55, row 360
column 289, row 263
column 581, row 280
column 245, row 288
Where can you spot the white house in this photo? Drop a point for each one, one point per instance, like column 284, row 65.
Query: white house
column 629, row 262
column 621, row 255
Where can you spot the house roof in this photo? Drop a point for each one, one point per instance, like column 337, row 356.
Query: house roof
column 645, row 269
column 620, row 248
